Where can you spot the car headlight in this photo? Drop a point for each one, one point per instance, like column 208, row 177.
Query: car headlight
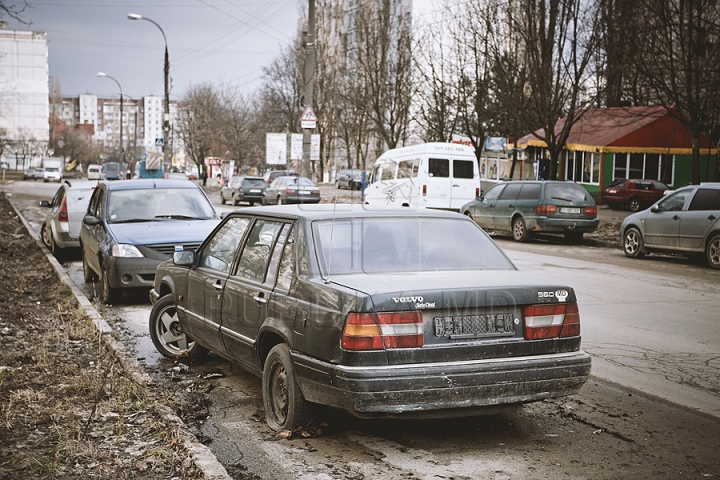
column 126, row 251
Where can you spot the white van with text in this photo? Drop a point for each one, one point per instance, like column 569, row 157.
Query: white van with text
column 431, row 175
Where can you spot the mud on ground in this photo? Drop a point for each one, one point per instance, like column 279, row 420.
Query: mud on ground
column 67, row 408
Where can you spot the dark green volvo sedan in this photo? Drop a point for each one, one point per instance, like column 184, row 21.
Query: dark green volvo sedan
column 381, row 313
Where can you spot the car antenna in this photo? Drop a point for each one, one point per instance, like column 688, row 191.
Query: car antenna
column 332, row 230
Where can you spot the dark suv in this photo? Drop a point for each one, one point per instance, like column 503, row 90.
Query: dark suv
column 526, row 207
column 634, row 194
column 243, row 189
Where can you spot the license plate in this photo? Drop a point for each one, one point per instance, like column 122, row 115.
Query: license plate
column 302, row 192
column 473, row 326
column 612, row 190
column 254, row 190
column 569, row 210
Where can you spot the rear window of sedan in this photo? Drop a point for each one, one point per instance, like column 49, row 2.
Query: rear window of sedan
column 569, row 192
column 254, row 182
column 404, row 245
column 144, row 205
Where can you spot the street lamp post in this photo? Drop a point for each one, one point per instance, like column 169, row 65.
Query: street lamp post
column 166, row 120
column 122, row 146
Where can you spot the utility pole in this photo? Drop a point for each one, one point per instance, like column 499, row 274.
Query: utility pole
column 309, row 83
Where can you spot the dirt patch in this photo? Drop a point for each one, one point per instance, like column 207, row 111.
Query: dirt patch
column 68, row 409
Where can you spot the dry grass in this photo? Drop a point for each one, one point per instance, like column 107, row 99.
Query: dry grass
column 67, row 408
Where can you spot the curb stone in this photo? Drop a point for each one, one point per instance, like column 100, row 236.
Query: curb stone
column 201, row 455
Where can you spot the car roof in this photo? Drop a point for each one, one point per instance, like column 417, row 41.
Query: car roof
column 79, row 184
column 328, row 211
column 142, row 183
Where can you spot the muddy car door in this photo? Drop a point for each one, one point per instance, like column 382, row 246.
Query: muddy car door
column 202, row 314
column 248, row 289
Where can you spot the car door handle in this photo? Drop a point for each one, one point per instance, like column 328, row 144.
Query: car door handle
column 676, row 217
column 712, row 217
column 260, row 298
column 511, row 206
column 218, row 285
column 455, row 185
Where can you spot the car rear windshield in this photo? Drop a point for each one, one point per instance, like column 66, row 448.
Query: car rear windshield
column 404, row 245
column 254, row 182
column 142, row 205
column 568, row 192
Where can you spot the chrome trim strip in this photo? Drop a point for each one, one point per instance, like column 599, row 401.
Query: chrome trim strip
column 237, row 336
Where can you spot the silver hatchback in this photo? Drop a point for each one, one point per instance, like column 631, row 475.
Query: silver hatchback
column 686, row 221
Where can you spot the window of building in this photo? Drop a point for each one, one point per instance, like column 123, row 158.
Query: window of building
column 583, row 167
column 651, row 166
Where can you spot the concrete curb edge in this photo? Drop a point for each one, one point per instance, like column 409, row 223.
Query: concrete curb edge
column 201, row 455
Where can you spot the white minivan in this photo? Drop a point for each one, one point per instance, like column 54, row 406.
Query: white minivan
column 94, row 172
column 431, row 175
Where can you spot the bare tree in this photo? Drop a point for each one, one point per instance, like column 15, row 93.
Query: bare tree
column 14, row 11
column 26, row 147
column 560, row 39
column 78, row 146
column 437, row 97
column 679, row 61
column 200, row 125
column 384, row 62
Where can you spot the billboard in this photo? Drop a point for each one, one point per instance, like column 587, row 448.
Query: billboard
column 276, row 148
column 296, row 146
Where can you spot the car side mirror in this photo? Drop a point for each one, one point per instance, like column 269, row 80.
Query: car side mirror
column 654, row 209
column 44, row 203
column 184, row 258
column 91, row 221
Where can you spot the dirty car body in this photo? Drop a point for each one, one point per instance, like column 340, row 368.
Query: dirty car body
column 381, row 313
column 132, row 226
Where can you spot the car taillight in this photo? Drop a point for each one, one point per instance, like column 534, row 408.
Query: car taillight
column 371, row 331
column 551, row 321
column 63, row 213
column 424, row 190
column 547, row 209
column 477, row 191
column 240, row 190
column 288, row 190
column 591, row 211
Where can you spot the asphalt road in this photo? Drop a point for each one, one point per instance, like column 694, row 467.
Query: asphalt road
column 650, row 325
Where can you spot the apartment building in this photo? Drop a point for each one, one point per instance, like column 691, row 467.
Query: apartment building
column 23, row 93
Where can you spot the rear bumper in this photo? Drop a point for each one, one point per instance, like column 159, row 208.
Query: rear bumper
column 558, row 224
column 302, row 199
column 441, row 389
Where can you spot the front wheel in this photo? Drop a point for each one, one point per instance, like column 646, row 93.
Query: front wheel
column 279, row 200
column 285, row 406
column 519, row 231
column 712, row 251
column 222, row 199
column 633, row 243
column 88, row 274
column 167, row 334
column 110, row 295
column 235, row 200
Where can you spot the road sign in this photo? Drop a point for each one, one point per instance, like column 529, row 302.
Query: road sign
column 308, row 119
column 159, row 142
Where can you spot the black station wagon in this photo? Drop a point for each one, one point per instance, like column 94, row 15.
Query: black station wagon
column 381, row 313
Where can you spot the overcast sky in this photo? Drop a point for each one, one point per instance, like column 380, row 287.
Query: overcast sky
column 220, row 41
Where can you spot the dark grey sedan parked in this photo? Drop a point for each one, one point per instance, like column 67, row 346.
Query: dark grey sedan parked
column 686, row 221
column 382, row 313
column 291, row 190
column 133, row 225
column 243, row 189
column 527, row 207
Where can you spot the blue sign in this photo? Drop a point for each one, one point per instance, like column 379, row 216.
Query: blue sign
column 496, row 144
column 159, row 142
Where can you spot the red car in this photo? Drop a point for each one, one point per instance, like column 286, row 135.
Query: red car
column 634, row 194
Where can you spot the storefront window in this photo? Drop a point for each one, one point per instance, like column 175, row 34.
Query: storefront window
column 650, row 166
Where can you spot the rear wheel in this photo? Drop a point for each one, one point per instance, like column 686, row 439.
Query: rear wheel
column 712, row 251
column 279, row 200
column 46, row 236
column 222, row 199
column 285, row 406
column 110, row 295
column 167, row 334
column 634, row 204
column 519, row 231
column 633, row 243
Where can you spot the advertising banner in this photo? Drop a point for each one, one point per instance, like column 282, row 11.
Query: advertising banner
column 276, row 148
